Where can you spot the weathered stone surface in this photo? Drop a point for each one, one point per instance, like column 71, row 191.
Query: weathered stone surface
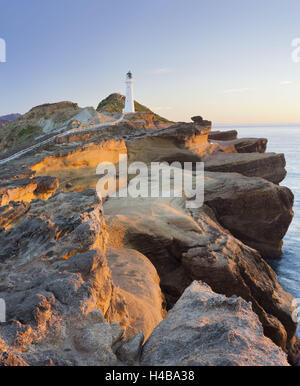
column 185, row 248
column 227, row 135
column 200, row 121
column 139, row 285
column 243, row 145
column 57, row 284
column 27, row 189
column 130, row 351
column 12, row 212
column 270, row 166
column 255, row 211
column 182, row 142
column 53, row 270
column 206, row 329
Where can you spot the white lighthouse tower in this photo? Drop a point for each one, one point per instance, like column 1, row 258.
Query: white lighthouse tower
column 129, row 102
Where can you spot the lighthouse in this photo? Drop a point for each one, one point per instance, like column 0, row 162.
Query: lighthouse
column 129, row 102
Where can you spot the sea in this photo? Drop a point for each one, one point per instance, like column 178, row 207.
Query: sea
column 284, row 139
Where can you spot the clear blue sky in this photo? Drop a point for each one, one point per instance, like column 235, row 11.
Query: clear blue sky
column 228, row 60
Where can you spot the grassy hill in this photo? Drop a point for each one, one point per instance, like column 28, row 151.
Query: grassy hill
column 115, row 103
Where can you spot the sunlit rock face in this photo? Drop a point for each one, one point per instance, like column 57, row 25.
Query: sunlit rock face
column 186, row 246
column 183, row 142
column 86, row 283
column 207, row 329
column 255, row 211
column 27, row 189
column 139, row 284
column 269, row 166
column 65, row 303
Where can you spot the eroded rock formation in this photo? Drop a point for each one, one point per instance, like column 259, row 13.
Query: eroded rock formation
column 71, row 300
column 206, row 329
column 185, row 247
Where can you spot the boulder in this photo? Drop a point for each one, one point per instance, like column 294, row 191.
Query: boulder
column 187, row 246
column 270, row 166
column 243, row 145
column 200, row 121
column 139, row 285
column 255, row 211
column 223, row 135
column 12, row 212
column 207, row 329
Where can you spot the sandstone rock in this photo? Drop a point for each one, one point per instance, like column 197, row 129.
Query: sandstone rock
column 185, row 248
column 130, row 351
column 270, row 166
column 139, row 285
column 57, row 286
column 243, row 145
column 53, row 270
column 12, row 212
column 197, row 119
column 255, row 211
column 55, row 280
column 223, row 135
column 27, row 189
column 182, row 142
column 206, row 329
column 9, row 359
column 98, row 340
column 200, row 121
column 14, row 172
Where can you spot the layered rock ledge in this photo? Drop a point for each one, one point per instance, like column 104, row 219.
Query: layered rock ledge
column 90, row 283
column 206, row 329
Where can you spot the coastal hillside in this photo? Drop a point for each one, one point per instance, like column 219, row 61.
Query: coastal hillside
column 92, row 279
column 115, row 103
column 47, row 120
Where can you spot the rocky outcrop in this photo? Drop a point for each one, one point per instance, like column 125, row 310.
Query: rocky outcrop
column 255, row 211
column 72, row 301
column 27, row 189
column 200, row 121
column 66, row 305
column 243, row 145
column 270, row 166
column 183, row 142
column 12, row 212
column 57, row 285
column 185, row 247
column 139, row 285
column 206, row 329
column 130, row 351
column 223, row 135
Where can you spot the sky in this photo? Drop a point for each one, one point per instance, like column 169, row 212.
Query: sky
column 228, row 61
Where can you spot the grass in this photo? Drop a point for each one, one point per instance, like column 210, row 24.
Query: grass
column 115, row 104
column 28, row 132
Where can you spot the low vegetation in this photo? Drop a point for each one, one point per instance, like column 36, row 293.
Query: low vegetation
column 115, row 103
